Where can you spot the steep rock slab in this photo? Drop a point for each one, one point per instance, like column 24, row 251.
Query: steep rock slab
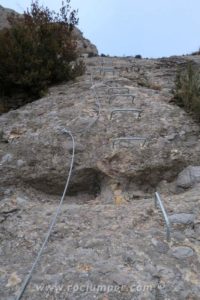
column 34, row 150
column 121, row 247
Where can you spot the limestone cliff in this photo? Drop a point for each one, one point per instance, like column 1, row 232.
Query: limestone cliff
column 4, row 12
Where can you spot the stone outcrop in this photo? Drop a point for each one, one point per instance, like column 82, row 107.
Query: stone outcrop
column 85, row 47
column 109, row 233
column 4, row 12
column 35, row 152
column 189, row 177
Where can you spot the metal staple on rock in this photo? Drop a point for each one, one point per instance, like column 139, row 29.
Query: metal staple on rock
column 133, row 110
column 124, row 89
column 105, row 70
column 27, row 279
column 135, row 138
column 99, row 85
column 113, row 96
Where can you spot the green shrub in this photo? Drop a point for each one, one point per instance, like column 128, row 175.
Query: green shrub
column 187, row 89
column 138, row 56
column 37, row 51
column 196, row 52
column 92, row 54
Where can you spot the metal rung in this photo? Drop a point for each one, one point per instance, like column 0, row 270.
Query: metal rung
column 100, row 69
column 115, row 82
column 133, row 110
column 122, row 95
column 96, row 68
column 97, row 85
column 106, row 62
column 112, row 89
column 136, row 138
column 107, row 70
column 158, row 201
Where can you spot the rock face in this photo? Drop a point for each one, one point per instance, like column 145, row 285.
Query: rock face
column 182, row 218
column 4, row 12
column 35, row 152
column 98, row 251
column 110, row 241
column 189, row 177
column 84, row 46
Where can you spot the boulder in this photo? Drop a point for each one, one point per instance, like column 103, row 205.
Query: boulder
column 182, row 252
column 188, row 177
column 182, row 218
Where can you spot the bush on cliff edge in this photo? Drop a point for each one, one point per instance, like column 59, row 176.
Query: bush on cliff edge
column 187, row 89
column 36, row 51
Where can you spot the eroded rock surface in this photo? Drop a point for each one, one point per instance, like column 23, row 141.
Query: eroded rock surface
column 4, row 12
column 99, row 251
column 188, row 177
column 34, row 150
column 109, row 241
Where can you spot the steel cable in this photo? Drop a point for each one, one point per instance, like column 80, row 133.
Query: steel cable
column 27, row 279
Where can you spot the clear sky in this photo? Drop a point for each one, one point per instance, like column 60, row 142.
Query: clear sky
column 152, row 28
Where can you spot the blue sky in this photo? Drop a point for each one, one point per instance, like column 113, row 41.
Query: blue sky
column 152, row 28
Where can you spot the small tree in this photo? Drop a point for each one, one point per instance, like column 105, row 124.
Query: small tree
column 37, row 51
